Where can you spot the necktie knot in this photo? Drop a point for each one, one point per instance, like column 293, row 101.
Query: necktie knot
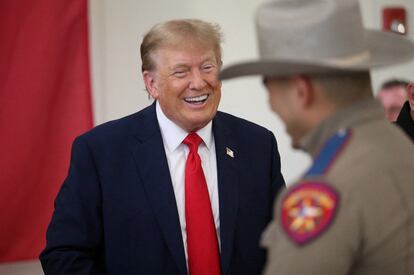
column 192, row 141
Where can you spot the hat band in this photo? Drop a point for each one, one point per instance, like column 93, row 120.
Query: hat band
column 350, row 60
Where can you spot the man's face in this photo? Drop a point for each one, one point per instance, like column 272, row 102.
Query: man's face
column 186, row 84
column 392, row 99
column 283, row 102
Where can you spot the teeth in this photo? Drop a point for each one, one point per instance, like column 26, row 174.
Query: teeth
column 196, row 98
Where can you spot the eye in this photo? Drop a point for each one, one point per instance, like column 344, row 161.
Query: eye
column 208, row 67
column 180, row 73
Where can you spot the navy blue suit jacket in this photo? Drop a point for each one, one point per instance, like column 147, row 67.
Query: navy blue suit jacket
column 116, row 211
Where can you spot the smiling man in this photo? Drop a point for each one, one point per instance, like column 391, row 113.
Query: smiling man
column 176, row 188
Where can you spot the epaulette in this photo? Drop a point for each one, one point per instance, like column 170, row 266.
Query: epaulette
column 329, row 153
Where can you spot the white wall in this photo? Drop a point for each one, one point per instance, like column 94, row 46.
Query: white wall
column 117, row 27
column 117, row 30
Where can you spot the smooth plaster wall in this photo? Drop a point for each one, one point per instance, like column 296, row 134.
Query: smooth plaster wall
column 117, row 30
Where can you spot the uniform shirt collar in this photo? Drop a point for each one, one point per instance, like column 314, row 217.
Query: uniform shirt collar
column 349, row 117
column 173, row 135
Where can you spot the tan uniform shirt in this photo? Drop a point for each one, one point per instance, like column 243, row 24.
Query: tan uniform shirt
column 372, row 229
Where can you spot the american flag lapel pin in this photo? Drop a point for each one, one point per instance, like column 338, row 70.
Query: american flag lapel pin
column 229, row 152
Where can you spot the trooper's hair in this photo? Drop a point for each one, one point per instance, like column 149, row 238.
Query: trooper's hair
column 344, row 89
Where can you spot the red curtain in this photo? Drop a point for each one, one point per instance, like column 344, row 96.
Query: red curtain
column 45, row 101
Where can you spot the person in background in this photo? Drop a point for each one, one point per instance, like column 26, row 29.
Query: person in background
column 405, row 118
column 176, row 188
column 392, row 95
column 352, row 212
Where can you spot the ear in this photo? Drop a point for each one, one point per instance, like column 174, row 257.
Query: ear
column 410, row 94
column 304, row 90
column 150, row 84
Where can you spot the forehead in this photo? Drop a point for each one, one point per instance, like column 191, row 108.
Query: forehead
column 393, row 94
column 185, row 53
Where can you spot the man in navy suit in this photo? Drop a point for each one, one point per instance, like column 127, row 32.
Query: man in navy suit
column 121, row 209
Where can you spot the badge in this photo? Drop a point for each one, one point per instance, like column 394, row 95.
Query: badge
column 307, row 210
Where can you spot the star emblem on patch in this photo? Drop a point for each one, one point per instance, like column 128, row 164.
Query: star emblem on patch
column 307, row 210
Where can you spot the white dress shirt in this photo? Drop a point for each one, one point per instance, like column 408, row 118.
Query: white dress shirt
column 177, row 152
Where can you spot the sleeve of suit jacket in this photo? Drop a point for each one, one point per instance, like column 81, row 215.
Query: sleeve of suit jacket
column 74, row 234
column 277, row 177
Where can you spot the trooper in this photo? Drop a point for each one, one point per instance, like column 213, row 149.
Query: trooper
column 352, row 212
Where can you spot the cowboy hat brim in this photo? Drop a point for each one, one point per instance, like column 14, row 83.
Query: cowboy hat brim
column 384, row 49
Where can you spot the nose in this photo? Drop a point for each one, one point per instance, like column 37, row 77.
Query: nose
column 197, row 81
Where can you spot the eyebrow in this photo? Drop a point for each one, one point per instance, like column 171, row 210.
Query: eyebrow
column 179, row 65
column 209, row 59
column 183, row 64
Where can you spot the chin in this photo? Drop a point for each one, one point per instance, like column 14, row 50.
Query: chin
column 200, row 122
column 295, row 145
column 195, row 126
column 294, row 142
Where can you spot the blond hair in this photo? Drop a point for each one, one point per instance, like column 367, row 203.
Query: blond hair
column 176, row 31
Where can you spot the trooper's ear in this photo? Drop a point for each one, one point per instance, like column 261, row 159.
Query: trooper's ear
column 150, row 84
column 305, row 89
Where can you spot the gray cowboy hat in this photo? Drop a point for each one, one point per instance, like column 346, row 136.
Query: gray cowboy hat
column 318, row 36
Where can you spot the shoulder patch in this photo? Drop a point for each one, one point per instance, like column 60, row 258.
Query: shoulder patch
column 307, row 210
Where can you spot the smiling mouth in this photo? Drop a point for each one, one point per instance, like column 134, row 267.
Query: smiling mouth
column 197, row 100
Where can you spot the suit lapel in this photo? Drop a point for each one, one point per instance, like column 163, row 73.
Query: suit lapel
column 153, row 171
column 228, row 188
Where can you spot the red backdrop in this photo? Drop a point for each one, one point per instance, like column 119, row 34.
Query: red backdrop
column 44, row 103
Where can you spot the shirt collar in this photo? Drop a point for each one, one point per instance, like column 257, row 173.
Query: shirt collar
column 173, row 135
column 349, row 117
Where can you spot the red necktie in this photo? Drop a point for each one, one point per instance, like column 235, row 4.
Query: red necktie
column 202, row 244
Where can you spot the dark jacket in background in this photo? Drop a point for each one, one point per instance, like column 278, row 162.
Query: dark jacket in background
column 405, row 121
